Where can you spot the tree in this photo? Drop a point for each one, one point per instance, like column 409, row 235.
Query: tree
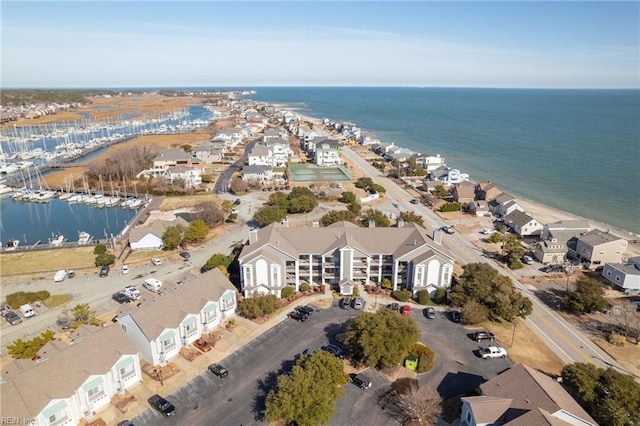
column 105, row 259
column 279, row 199
column 412, row 217
column 407, row 401
column 347, row 197
column 218, row 260
column 258, row 306
column 381, row 339
column 588, row 296
column 100, row 249
column 513, row 251
column 209, row 212
column 186, row 148
column 364, row 183
column 172, row 237
column 82, row 314
column 400, row 294
column 440, row 192
column 423, row 297
column 473, row 312
column 301, row 200
column 196, row 232
column 238, row 186
column 612, row 398
column 426, row 357
column 337, row 216
column 287, row 291
column 307, row 395
column 379, row 219
column 21, row 349
column 269, row 214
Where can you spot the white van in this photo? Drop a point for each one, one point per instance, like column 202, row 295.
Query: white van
column 152, row 284
column 27, row 311
column 60, row 276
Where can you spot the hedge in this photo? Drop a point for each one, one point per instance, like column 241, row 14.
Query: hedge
column 286, row 292
column 15, row 300
column 402, row 295
column 426, row 357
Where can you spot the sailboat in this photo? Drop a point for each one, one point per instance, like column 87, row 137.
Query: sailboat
column 111, row 200
column 69, row 192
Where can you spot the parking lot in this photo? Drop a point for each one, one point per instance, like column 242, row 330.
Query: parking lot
column 238, row 399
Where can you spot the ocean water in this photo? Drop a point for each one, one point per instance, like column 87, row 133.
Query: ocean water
column 575, row 150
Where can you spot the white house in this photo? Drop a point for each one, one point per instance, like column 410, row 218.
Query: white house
column 625, row 277
column 259, row 156
column 279, row 256
column 190, row 175
column 504, row 204
column 447, row 176
column 169, row 158
column 149, row 236
column 160, row 325
column 522, row 224
column 257, row 174
column 209, row 153
column 69, row 382
column 327, row 153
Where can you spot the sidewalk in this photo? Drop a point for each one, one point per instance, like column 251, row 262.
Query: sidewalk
column 232, row 340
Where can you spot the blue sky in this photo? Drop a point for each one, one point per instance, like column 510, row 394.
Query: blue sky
column 234, row 44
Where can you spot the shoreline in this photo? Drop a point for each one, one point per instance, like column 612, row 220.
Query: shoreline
column 541, row 212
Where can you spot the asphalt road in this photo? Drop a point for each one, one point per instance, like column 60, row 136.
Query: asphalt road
column 563, row 338
column 224, row 180
column 238, row 399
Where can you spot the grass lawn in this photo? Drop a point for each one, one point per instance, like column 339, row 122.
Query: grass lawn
column 187, row 201
column 46, row 262
column 56, row 300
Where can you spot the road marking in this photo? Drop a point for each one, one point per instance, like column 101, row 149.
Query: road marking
column 563, row 337
column 539, row 330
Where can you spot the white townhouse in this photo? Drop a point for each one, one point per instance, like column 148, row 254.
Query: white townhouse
column 231, row 135
column 343, row 255
column 257, row 174
column 259, row 156
column 280, row 151
column 70, row 382
column 161, row 324
column 327, row 153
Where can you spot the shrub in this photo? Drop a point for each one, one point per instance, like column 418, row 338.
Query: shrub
column 386, row 283
column 286, row 292
column 304, row 286
column 473, row 312
column 100, row 249
column 617, row 339
column 105, row 259
column 258, row 306
column 426, row 357
column 450, row 207
column 423, row 297
column 402, row 295
column 441, row 296
column 516, row 264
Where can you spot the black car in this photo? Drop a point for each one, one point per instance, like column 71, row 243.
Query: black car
column 218, row 370
column 455, row 317
column 333, row 350
column 236, row 202
column 298, row 316
column 64, row 324
column 12, row 318
column 345, row 302
column 307, row 310
column 553, row 268
column 104, row 271
column 394, row 307
column 481, row 335
column 126, row 423
column 121, row 298
column 414, row 201
column 159, row 403
column 185, row 255
column 359, row 380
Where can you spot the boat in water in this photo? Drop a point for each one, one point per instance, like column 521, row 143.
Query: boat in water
column 84, row 238
column 57, row 240
column 12, row 245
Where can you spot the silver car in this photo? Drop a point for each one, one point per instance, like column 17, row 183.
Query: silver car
column 358, row 303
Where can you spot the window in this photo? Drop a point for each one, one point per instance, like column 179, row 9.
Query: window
column 169, row 344
column 58, row 418
column 248, row 275
column 228, row 303
column 419, row 275
column 190, row 329
column 210, row 316
column 127, row 371
column 96, row 392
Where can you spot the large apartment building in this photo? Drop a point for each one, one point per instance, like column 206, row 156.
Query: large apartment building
column 343, row 253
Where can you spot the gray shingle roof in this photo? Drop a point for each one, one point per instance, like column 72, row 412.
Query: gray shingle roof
column 597, row 237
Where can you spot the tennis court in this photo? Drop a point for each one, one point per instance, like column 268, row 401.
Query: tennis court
column 311, row 173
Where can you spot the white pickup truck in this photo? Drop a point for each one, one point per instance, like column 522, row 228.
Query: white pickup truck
column 493, row 352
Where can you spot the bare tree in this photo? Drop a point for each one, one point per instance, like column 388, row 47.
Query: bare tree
column 627, row 317
column 209, row 212
column 407, row 402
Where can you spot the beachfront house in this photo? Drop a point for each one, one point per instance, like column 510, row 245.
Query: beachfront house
column 160, row 325
column 504, row 204
column 278, row 256
column 564, row 230
column 257, row 174
column 552, row 251
column 149, row 236
column 447, row 176
column 522, row 395
column 327, row 153
column 522, row 224
column 595, row 248
column 479, row 208
column 464, row 192
column 69, row 382
column 487, row 191
column 625, row 277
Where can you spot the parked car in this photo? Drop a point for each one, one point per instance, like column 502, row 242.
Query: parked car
column 165, row 407
column 185, row 255
column 414, row 201
column 298, row 316
column 405, row 310
column 360, row 380
column 156, row 261
column 527, row 260
column 552, row 268
column 430, row 313
column 481, row 335
column 64, row 324
column 455, row 317
column 492, row 352
column 104, row 271
column 236, row 202
column 218, row 370
column 12, row 318
column 126, row 423
column 488, row 231
column 333, row 350
column 121, row 298
column 202, row 344
column 71, row 274
column 449, row 229
column 125, row 269
column 307, row 310
column 345, row 302
column 358, row 303
column 393, row 306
